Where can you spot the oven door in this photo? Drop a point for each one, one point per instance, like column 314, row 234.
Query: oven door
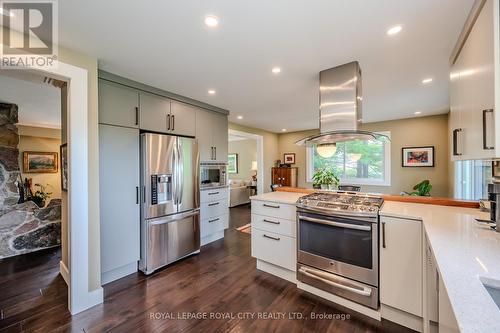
column 341, row 245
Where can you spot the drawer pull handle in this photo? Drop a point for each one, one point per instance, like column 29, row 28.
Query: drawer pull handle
column 213, row 204
column 214, row 220
column 270, row 206
column 213, row 193
column 272, row 222
column 271, row 237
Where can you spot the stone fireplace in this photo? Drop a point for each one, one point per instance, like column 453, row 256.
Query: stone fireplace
column 24, row 227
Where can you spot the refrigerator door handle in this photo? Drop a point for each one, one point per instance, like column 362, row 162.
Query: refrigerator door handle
column 175, row 178
column 180, row 165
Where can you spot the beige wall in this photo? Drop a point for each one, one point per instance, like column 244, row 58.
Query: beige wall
column 247, row 152
column 421, row 131
column 270, row 150
column 45, row 140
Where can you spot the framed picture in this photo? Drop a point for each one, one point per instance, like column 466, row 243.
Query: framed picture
column 39, row 162
column 289, row 158
column 232, row 163
column 64, row 166
column 418, row 156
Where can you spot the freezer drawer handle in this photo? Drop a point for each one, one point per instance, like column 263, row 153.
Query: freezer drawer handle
column 175, row 219
column 213, row 204
column 214, row 220
column 270, row 206
column 322, row 277
column 337, row 224
column 272, row 222
column 271, row 237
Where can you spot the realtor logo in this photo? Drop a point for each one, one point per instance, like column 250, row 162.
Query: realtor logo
column 29, row 34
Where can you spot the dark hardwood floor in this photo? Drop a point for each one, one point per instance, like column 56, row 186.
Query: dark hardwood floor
column 221, row 281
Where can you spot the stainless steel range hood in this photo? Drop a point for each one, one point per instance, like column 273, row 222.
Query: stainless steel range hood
column 340, row 111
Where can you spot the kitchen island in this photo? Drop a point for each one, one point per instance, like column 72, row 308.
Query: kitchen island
column 466, row 254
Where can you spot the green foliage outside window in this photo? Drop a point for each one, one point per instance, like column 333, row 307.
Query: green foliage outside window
column 344, row 164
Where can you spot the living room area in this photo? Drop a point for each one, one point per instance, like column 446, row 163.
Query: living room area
column 242, row 169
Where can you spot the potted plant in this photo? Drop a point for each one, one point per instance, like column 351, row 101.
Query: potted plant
column 325, row 179
column 422, row 189
column 40, row 196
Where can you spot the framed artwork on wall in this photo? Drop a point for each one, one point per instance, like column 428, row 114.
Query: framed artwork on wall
column 418, row 156
column 289, row 158
column 232, row 163
column 39, row 162
column 64, row 166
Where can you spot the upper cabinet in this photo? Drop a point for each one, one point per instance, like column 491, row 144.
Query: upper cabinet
column 212, row 135
column 473, row 131
column 118, row 105
column 160, row 114
column 183, row 118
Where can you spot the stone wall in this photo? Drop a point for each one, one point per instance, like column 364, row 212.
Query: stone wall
column 23, row 227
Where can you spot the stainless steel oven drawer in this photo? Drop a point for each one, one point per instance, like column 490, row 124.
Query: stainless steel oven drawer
column 353, row 290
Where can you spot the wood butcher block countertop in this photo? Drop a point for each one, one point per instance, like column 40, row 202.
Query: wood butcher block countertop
column 399, row 198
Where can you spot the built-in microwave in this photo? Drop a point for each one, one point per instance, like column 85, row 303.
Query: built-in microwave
column 213, row 175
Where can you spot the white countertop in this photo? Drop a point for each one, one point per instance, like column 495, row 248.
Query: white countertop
column 464, row 250
column 279, row 197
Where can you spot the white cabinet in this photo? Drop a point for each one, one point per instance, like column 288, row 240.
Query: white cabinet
column 447, row 321
column 119, row 201
column 155, row 113
column 472, row 93
column 274, row 238
column 212, row 135
column 183, row 118
column 160, row 114
column 214, row 213
column 118, row 105
column 401, row 264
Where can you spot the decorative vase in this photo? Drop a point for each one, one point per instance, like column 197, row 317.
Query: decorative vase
column 324, row 186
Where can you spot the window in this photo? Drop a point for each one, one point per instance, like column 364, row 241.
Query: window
column 471, row 179
column 356, row 162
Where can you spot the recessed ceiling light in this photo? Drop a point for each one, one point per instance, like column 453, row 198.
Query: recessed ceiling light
column 418, row 112
column 394, row 30
column 211, row 92
column 211, row 21
column 276, row 70
column 283, row 129
column 240, row 117
column 425, row 81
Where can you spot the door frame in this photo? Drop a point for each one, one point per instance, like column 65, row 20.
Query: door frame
column 79, row 296
column 260, row 155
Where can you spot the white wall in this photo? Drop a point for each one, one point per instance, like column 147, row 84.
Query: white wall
column 247, row 152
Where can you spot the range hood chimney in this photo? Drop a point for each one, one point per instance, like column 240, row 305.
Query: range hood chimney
column 340, row 110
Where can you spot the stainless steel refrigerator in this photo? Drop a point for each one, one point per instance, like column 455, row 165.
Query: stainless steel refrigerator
column 170, row 214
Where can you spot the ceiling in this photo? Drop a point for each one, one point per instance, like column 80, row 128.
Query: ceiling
column 38, row 104
column 166, row 44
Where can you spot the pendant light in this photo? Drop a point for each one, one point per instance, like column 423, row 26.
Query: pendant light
column 326, row 150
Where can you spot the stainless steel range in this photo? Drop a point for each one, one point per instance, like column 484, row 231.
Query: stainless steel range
column 337, row 244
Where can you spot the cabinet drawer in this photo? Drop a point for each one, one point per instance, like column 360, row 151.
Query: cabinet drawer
column 274, row 248
column 213, row 195
column 214, row 209
column 212, row 225
column 272, row 224
column 277, row 210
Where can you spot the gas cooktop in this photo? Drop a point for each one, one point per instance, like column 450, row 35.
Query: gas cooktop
column 348, row 203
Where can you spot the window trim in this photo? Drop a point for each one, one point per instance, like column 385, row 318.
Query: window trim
column 358, row 181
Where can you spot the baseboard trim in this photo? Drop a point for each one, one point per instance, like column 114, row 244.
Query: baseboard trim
column 64, row 271
column 402, row 318
column 369, row 312
column 276, row 270
column 212, row 238
column 118, row 273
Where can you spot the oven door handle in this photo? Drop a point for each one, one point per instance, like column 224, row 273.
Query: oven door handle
column 318, row 275
column 336, row 224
